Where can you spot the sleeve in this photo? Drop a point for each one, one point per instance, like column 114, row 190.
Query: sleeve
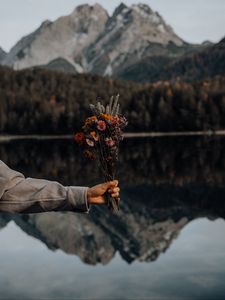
column 30, row 195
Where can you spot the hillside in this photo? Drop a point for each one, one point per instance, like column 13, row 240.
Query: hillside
column 42, row 101
column 190, row 67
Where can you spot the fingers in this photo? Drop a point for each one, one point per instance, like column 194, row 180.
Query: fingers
column 110, row 184
column 114, row 192
column 113, row 183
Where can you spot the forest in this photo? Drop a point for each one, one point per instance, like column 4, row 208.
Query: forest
column 39, row 101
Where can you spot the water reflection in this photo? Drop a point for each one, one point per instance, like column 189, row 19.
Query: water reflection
column 166, row 183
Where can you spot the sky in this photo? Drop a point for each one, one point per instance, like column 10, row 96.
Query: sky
column 194, row 20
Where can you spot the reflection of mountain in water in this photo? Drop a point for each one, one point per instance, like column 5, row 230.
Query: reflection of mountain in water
column 150, row 219
column 166, row 184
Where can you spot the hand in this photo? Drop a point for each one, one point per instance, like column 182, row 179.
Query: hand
column 96, row 193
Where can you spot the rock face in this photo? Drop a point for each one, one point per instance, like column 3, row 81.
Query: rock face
column 2, row 54
column 65, row 38
column 130, row 34
column 91, row 41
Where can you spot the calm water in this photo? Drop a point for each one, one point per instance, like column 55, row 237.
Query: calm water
column 167, row 242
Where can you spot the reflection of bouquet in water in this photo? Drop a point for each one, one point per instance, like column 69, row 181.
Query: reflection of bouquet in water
column 100, row 138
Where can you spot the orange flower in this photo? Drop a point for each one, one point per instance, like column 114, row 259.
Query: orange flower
column 90, row 119
column 94, row 135
column 107, row 117
column 79, row 137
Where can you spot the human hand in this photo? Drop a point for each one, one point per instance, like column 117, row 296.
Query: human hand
column 96, row 193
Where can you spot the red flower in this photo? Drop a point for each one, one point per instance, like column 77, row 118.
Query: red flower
column 79, row 138
column 109, row 142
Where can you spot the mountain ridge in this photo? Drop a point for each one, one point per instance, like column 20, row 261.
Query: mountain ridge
column 131, row 33
column 65, row 37
column 89, row 29
column 192, row 66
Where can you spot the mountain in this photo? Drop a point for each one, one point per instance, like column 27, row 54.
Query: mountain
column 64, row 38
column 130, row 34
column 90, row 41
column 2, row 54
column 196, row 65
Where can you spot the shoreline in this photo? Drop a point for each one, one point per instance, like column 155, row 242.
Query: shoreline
column 7, row 137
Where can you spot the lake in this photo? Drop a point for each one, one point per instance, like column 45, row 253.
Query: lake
column 167, row 241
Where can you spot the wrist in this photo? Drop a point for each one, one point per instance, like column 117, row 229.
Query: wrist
column 89, row 196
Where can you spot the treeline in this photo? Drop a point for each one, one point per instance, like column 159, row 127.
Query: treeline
column 43, row 101
column 47, row 102
column 179, row 106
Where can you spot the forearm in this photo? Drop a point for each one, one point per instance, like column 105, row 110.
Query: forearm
column 30, row 195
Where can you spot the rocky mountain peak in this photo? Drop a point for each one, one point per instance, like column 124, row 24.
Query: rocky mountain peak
column 64, row 38
column 120, row 9
column 86, row 9
column 90, row 41
column 130, row 34
column 142, row 9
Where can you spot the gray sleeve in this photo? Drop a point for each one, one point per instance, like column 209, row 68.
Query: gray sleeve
column 30, row 195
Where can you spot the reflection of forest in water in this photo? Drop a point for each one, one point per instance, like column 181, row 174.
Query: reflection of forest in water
column 166, row 183
column 176, row 161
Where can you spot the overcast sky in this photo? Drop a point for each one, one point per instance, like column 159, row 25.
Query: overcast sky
column 193, row 20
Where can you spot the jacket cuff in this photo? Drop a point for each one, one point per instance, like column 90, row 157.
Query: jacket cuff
column 77, row 197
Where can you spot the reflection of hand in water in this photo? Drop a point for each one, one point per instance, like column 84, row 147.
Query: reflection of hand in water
column 96, row 193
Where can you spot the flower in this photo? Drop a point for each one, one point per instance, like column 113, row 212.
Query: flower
column 107, row 117
column 79, row 137
column 90, row 142
column 109, row 142
column 115, row 120
column 94, row 135
column 89, row 154
column 101, row 125
column 89, row 120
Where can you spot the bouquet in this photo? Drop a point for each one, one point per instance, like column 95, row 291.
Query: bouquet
column 100, row 138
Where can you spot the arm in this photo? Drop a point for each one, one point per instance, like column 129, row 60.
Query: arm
column 29, row 195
